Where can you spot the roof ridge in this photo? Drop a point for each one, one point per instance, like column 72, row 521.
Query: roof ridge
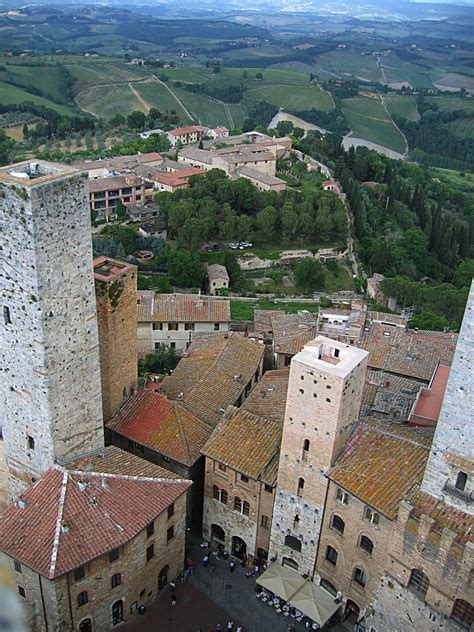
column 183, row 433
column 57, row 532
column 144, row 479
column 374, row 426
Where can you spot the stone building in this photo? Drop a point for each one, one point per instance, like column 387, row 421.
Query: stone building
column 240, row 470
column 174, row 319
column 217, row 279
column 324, row 395
column 116, row 298
column 51, row 404
column 87, row 549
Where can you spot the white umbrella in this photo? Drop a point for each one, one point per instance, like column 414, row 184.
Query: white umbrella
column 281, row 580
column 315, row 602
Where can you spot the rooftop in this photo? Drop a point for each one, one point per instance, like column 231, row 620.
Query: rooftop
column 107, row 269
column 179, row 131
column 68, row 518
column 268, row 397
column 444, row 516
column 382, row 462
column 154, row 307
column 265, row 178
column 32, row 172
column 430, row 399
column 113, row 182
column 322, row 353
column 388, row 394
column 290, row 332
column 193, row 153
column 216, row 271
column 176, row 178
column 407, row 352
column 165, row 426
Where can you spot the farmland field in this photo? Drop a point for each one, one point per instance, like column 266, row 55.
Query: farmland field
column 369, row 120
column 11, row 94
column 269, row 76
column 445, row 104
column 402, row 106
column 211, row 112
column 343, row 63
column 105, row 102
column 462, row 128
column 156, row 95
column 96, row 73
column 45, row 79
column 290, row 97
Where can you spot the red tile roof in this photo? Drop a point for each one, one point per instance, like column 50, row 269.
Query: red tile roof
column 429, row 402
column 68, row 518
column 179, row 308
column 176, row 178
column 179, row 131
column 444, row 516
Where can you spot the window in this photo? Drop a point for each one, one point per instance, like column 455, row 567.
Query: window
column 299, row 491
column 171, row 511
column 85, row 626
column 82, row 598
column 461, row 481
column 296, row 521
column 366, row 544
column 172, row 326
column 150, row 529
column 150, row 552
column 268, row 488
column 17, row 566
column 419, row 583
column 116, row 580
column 328, row 586
column 338, row 523
column 216, row 326
column 79, row 573
column 244, row 479
column 463, row 613
column 342, row 496
column 6, row 315
column 360, row 577
column 287, row 561
column 117, row 612
column 21, row 591
column 114, row 555
column 241, row 506
column 264, row 522
column 221, row 467
column 170, row 533
column 306, row 444
column 189, row 326
column 172, row 345
column 30, row 442
column 157, row 326
column 331, row 555
column 293, row 543
column 219, row 494
column 371, row 516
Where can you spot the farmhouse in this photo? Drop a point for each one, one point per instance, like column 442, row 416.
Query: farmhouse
column 186, row 135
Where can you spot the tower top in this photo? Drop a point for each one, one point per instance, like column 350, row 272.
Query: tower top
column 32, row 172
column 107, row 269
column 330, row 356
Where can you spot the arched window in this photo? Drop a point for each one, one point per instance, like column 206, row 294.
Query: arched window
column 219, row 494
column 338, row 523
column 324, row 583
column 116, row 580
column 85, row 626
column 245, row 508
column 296, row 521
column 419, row 583
column 360, row 577
column 241, row 506
column 331, row 555
column 306, row 444
column 217, row 533
column 287, row 561
column 366, row 544
column 117, row 612
column 299, row 491
column 82, row 598
column 461, row 481
column 463, row 613
column 293, row 543
column 237, row 503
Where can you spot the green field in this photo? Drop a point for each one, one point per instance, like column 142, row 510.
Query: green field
column 403, row 106
column 293, row 98
column 344, row 63
column 462, row 128
column 11, row 94
column 400, row 71
column 45, row 79
column 445, row 104
column 105, row 102
column 369, row 120
column 464, row 183
column 94, row 73
column 156, row 95
column 211, row 112
column 270, row 76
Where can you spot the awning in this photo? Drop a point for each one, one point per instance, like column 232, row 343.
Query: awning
column 315, row 602
column 281, row 580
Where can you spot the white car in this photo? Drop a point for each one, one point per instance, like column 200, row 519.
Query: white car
column 233, row 246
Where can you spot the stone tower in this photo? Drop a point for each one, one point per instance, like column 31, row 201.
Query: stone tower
column 116, row 297
column 450, row 469
column 50, row 382
column 323, row 402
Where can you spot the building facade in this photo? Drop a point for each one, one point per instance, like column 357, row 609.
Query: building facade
column 217, row 279
column 116, row 298
column 51, row 394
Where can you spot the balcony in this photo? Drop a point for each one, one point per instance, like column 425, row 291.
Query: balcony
column 465, row 496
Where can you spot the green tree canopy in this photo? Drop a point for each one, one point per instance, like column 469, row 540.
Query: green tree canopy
column 309, row 275
column 186, row 269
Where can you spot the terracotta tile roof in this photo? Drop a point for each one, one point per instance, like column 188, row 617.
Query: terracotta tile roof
column 395, row 319
column 214, row 374
column 179, row 131
column 114, row 460
column 247, row 443
column 194, row 153
column 388, row 394
column 268, row 397
column 113, row 182
column 72, row 517
column 176, row 178
column 382, row 462
column 444, row 515
column 259, row 176
column 178, row 308
column 151, row 420
column 407, row 352
column 430, row 399
column 290, row 331
column 216, row 271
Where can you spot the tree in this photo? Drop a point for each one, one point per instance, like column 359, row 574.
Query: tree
column 309, row 275
column 266, row 220
column 136, row 120
column 164, row 360
column 429, row 321
column 464, row 274
column 259, row 76
column 117, row 120
column 186, row 269
column 290, row 220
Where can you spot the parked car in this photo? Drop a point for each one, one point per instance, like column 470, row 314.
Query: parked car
column 234, row 246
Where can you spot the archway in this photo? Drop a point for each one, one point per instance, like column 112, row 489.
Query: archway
column 117, row 612
column 163, row 578
column 85, row 626
column 351, row 613
column 217, row 533
column 287, row 561
column 239, row 548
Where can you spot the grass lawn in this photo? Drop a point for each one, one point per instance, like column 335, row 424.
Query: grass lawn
column 403, row 106
column 243, row 310
column 464, row 183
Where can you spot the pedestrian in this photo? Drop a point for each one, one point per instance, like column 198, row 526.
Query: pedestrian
column 230, row 626
column 211, row 629
column 240, row 629
column 232, row 566
column 205, row 560
column 190, row 566
column 174, row 599
column 218, row 628
column 172, row 586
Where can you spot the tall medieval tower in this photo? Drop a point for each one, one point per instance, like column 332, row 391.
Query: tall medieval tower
column 116, row 297
column 323, row 402
column 449, row 473
column 51, row 390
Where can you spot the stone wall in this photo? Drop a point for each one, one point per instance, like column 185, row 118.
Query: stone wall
column 51, row 395
column 56, row 601
column 117, row 321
